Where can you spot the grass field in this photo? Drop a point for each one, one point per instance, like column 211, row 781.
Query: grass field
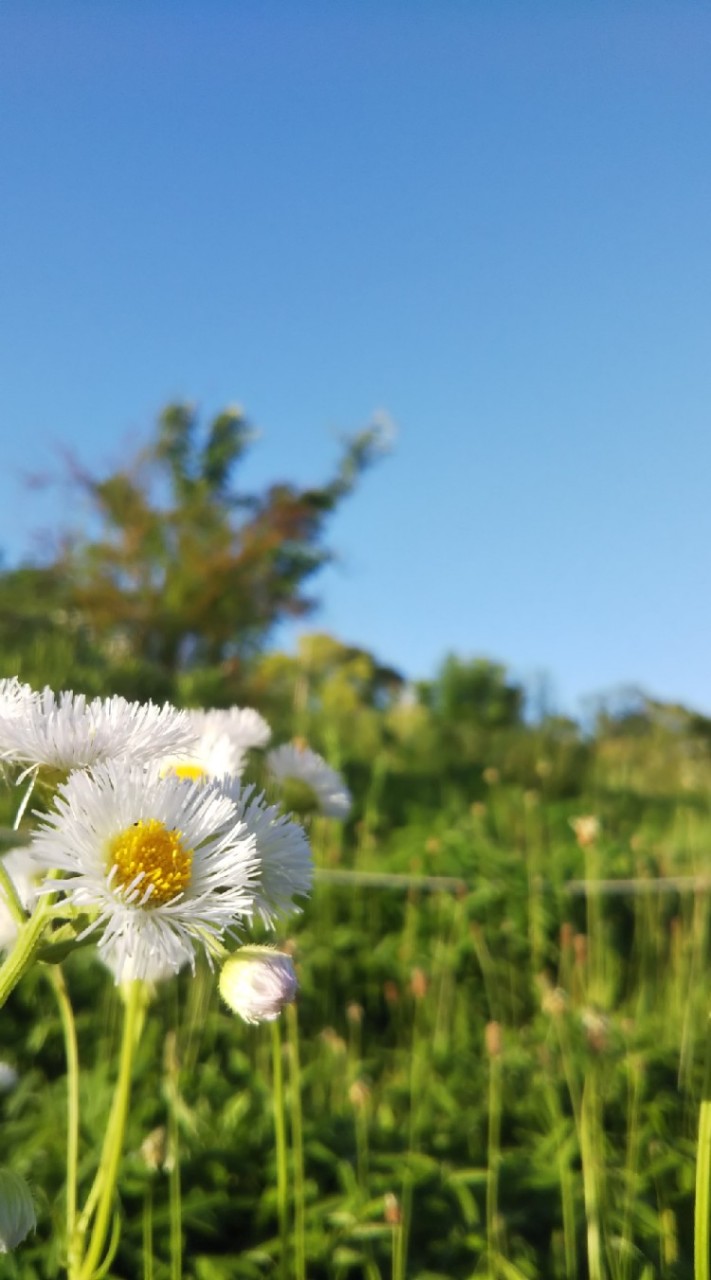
column 486, row 1075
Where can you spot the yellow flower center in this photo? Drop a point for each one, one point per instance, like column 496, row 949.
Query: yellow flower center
column 190, row 771
column 149, row 847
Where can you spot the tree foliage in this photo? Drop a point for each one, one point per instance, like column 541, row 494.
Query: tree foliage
column 179, row 569
column 476, row 692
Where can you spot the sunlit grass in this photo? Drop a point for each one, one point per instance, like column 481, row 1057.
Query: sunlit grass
column 501, row 1079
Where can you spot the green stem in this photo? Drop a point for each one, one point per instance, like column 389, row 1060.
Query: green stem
column 703, row 1172
column 10, row 895
column 568, row 1209
column 493, row 1155
column 29, row 941
column 398, row 1271
column 595, row 982
column 280, row 1144
column 176, row 1208
column 71, row 1051
column 558, row 1121
column 148, row 1233
column 589, row 1148
column 103, row 1190
column 8, row 890
column 631, row 1165
column 297, row 1138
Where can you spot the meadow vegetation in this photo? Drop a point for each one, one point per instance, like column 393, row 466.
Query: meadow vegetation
column 493, row 1069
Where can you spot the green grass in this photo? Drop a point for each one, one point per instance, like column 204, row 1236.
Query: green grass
column 500, row 1081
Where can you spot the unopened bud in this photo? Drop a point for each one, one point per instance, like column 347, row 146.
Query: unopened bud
column 391, row 1210
column 492, row 1039
column 17, row 1212
column 358, row 1094
column 597, row 1029
column 154, row 1148
column 586, row 828
column 418, row 984
column 335, row 1043
column 256, row 983
column 554, row 1001
column 580, row 947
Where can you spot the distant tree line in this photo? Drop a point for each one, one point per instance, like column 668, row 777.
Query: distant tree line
column 176, row 582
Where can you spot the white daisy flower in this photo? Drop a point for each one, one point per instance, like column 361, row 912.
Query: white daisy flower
column 212, row 756
column 285, row 861
column 66, row 731
column 222, row 741
column 24, row 872
column 256, row 983
column 299, row 769
column 243, row 725
column 162, row 864
column 14, row 697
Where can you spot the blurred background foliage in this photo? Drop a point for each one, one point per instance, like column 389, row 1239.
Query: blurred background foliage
column 488, row 1074
column 171, row 583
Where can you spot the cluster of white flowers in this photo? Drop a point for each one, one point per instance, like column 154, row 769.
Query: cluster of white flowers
column 221, row 742
column 66, row 731
column 324, row 787
column 154, row 843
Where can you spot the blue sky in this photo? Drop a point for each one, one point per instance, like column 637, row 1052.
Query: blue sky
column 490, row 220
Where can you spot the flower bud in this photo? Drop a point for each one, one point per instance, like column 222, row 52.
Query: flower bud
column 418, row 983
column 154, row 1149
column 17, row 1212
column 256, row 983
column 493, row 1039
column 392, row 1211
column 586, row 828
column 358, row 1094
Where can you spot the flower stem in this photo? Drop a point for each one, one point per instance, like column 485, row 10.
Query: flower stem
column 297, row 1138
column 590, row 1137
column 9, row 892
column 148, row 1233
column 280, row 1145
column 493, row 1157
column 21, row 958
column 103, row 1190
column 702, row 1207
column 71, row 1051
column 176, row 1208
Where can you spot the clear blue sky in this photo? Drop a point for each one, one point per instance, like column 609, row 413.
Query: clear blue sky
column 491, row 219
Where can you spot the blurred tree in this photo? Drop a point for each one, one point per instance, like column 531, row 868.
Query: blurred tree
column 329, row 692
column 473, row 692
column 179, row 575
column 42, row 640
